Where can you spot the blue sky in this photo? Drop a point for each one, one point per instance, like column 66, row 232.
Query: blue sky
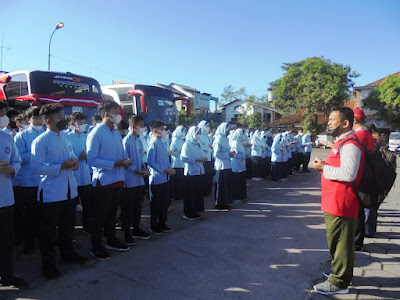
column 204, row 44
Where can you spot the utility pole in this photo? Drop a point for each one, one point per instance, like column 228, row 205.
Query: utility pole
column 2, row 47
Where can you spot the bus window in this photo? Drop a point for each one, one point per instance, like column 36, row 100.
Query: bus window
column 18, row 86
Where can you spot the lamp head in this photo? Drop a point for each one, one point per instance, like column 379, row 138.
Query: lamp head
column 59, row 25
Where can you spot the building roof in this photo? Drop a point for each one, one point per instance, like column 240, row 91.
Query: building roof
column 375, row 83
column 255, row 104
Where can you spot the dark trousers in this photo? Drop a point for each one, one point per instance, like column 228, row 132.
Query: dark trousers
column 159, row 202
column 300, row 159
column 175, row 184
column 340, row 232
column 268, row 165
column 239, row 188
column 360, row 231
column 371, row 218
column 285, row 170
column 131, row 208
column 208, row 177
column 7, row 241
column 27, row 214
column 248, row 167
column 57, row 222
column 276, row 171
column 307, row 157
column 105, row 203
column 193, row 199
column 223, row 189
column 290, row 165
column 85, row 195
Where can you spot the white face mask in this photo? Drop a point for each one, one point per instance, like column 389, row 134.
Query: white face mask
column 37, row 127
column 163, row 134
column 82, row 127
column 116, row 119
column 25, row 127
column 208, row 129
column 4, row 120
column 198, row 137
column 183, row 135
column 140, row 130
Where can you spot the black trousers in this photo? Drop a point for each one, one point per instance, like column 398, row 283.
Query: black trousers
column 85, row 194
column 239, row 188
column 27, row 213
column 268, row 165
column 159, row 202
column 360, row 231
column 193, row 200
column 131, row 207
column 299, row 161
column 7, row 241
column 277, row 171
column 208, row 177
column 105, row 203
column 56, row 216
column 290, row 165
column 256, row 166
column 248, row 168
column 175, row 184
column 307, row 157
column 223, row 189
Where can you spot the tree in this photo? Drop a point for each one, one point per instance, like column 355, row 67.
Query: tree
column 229, row 94
column 315, row 83
column 187, row 121
column 385, row 99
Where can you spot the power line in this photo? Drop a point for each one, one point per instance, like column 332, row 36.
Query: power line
column 2, row 47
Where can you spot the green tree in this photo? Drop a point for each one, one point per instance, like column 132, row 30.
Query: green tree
column 315, row 83
column 385, row 99
column 230, row 94
column 187, row 121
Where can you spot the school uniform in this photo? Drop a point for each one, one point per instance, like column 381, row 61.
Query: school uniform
column 268, row 153
column 104, row 148
column 300, row 152
column 131, row 201
column 26, row 204
column 238, row 166
column 177, row 163
column 8, row 153
column 277, row 158
column 158, row 161
column 193, row 200
column 205, row 141
column 247, row 140
column 223, row 167
column 292, row 162
column 57, row 194
column 83, row 177
column 307, row 151
column 256, row 155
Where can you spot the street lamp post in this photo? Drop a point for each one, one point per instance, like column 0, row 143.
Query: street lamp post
column 58, row 26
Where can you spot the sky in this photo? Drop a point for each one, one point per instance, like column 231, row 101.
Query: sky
column 206, row 44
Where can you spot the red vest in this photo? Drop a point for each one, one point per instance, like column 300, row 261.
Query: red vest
column 338, row 198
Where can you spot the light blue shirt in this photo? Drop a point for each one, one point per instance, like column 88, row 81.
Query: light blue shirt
column 78, row 141
column 176, row 147
column 8, row 153
column 144, row 139
column 277, row 153
column 191, row 151
column 104, row 148
column 307, row 143
column 299, row 144
column 158, row 161
column 221, row 149
column 256, row 149
column 133, row 148
column 24, row 140
column 239, row 159
column 49, row 151
column 205, row 141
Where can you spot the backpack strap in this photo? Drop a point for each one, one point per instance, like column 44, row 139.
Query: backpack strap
column 353, row 139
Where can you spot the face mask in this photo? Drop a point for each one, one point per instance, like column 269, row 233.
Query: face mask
column 62, row 124
column 208, row 129
column 300, row 134
column 25, row 127
column 140, row 130
column 183, row 135
column 163, row 133
column 197, row 137
column 334, row 132
column 82, row 127
column 116, row 119
column 36, row 127
column 4, row 120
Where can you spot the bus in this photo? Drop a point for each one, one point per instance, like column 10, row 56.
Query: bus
column 25, row 88
column 152, row 102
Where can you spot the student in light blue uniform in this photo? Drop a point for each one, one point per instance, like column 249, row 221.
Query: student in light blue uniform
column 26, row 204
column 53, row 159
column 132, row 195
column 206, row 142
column 223, row 167
column 10, row 163
column 268, row 152
column 106, row 155
column 160, row 172
column 193, row 158
column 78, row 138
column 238, row 165
column 299, row 150
column 293, row 142
column 308, row 147
column 264, row 158
column 176, row 180
column 256, row 155
column 247, row 147
column 277, row 158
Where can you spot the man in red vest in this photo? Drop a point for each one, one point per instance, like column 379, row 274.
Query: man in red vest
column 344, row 165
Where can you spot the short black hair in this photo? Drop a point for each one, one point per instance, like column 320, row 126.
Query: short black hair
column 97, row 118
column 346, row 113
column 122, row 125
column 156, row 124
column 77, row 116
column 48, row 110
column 3, row 105
column 107, row 106
column 135, row 119
column 20, row 117
column 12, row 113
column 32, row 112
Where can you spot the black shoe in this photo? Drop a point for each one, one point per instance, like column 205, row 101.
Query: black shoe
column 197, row 216
column 306, row 171
column 358, row 248
column 155, row 230
column 115, row 244
column 164, row 227
column 190, row 218
column 15, row 281
column 74, row 258
column 100, row 254
column 140, row 234
column 222, row 206
column 51, row 273
column 129, row 240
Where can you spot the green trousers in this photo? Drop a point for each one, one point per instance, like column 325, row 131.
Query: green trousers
column 340, row 234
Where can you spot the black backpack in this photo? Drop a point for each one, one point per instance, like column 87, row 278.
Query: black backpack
column 378, row 176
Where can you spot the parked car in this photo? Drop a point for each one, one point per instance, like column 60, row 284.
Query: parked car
column 322, row 140
column 394, row 142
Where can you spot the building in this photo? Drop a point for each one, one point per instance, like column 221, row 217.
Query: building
column 232, row 110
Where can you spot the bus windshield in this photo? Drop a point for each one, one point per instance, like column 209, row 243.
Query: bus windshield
column 64, row 85
column 161, row 108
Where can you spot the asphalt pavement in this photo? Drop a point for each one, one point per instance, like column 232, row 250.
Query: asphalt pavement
column 271, row 247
